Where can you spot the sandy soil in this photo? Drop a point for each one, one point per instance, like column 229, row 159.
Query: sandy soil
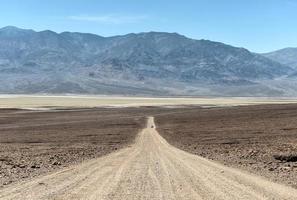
column 150, row 169
column 261, row 139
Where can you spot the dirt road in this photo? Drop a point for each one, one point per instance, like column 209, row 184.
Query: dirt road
column 150, row 169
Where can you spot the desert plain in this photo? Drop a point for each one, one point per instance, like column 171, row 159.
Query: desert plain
column 240, row 141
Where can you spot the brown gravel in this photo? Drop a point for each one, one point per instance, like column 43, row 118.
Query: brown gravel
column 150, row 169
column 33, row 143
column 260, row 139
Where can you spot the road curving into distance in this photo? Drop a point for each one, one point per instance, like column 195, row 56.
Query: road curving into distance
column 150, row 169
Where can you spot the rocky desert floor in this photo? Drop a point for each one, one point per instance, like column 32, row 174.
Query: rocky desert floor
column 152, row 169
column 34, row 143
column 260, row 139
column 37, row 142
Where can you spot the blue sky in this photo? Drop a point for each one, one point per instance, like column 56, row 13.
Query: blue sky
column 259, row 25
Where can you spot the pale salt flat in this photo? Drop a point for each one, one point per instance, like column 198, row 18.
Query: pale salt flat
column 88, row 101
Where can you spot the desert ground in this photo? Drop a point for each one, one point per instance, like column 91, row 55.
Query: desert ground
column 149, row 169
column 261, row 139
column 79, row 101
column 34, row 142
column 173, row 151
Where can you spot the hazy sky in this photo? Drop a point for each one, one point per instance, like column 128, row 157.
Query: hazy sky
column 259, row 25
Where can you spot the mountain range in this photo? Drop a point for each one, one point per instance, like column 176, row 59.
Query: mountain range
column 287, row 56
column 151, row 63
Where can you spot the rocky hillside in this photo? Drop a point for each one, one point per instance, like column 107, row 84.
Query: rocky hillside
column 150, row 63
column 287, row 56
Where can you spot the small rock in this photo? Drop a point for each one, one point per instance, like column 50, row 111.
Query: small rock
column 286, row 168
column 271, row 169
column 56, row 163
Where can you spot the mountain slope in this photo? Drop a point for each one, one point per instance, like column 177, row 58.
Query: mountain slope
column 287, row 56
column 144, row 63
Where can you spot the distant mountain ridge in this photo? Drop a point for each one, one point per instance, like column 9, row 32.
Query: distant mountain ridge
column 287, row 56
column 152, row 63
